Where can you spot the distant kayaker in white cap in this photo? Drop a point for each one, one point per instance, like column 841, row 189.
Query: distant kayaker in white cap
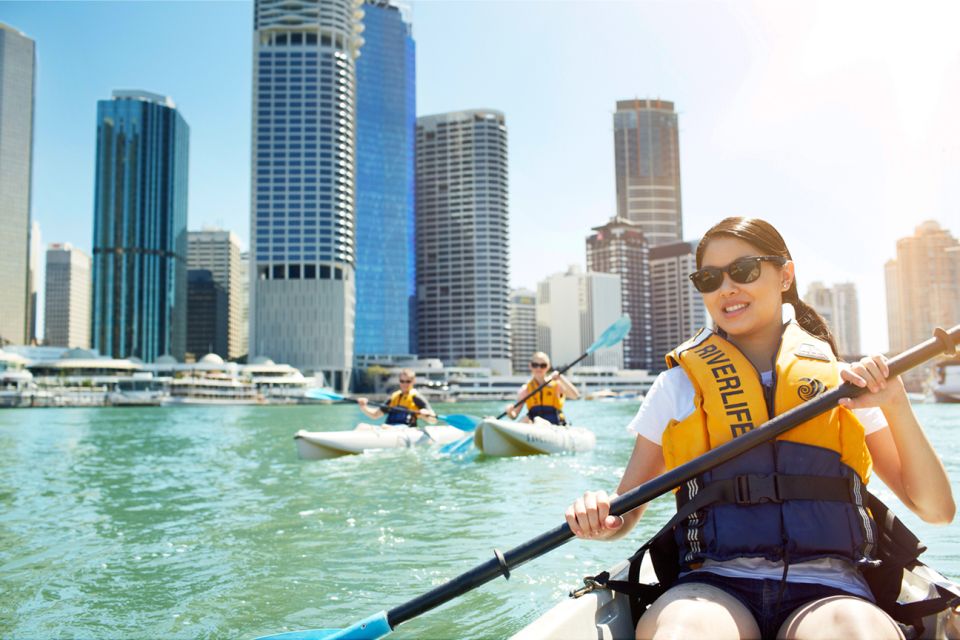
column 406, row 404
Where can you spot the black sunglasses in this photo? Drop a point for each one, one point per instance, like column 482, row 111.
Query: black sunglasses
column 538, row 365
column 405, row 380
column 742, row 270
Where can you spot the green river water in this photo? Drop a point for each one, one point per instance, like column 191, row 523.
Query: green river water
column 202, row 523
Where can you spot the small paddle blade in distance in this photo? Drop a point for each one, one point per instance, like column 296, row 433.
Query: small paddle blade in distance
column 323, row 394
column 613, row 334
column 461, row 421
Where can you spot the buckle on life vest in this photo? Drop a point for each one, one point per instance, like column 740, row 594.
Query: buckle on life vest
column 754, row 489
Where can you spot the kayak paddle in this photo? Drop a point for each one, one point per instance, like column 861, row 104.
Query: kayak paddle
column 460, row 421
column 382, row 623
column 611, row 336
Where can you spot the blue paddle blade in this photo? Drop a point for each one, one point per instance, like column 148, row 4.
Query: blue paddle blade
column 323, row 394
column 461, row 421
column 614, row 334
column 376, row 626
column 455, row 446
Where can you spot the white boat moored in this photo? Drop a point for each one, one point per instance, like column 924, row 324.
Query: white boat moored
column 505, row 438
column 321, row 445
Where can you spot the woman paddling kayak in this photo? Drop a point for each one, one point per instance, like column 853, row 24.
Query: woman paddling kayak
column 773, row 542
column 547, row 402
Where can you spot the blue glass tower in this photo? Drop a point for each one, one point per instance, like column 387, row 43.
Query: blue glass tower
column 302, row 290
column 386, row 128
column 140, row 227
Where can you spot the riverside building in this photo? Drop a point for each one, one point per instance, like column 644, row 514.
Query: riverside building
column 620, row 247
column 678, row 310
column 523, row 328
column 647, row 161
column 463, row 238
column 923, row 290
column 140, row 227
column 839, row 307
column 573, row 309
column 218, row 252
column 302, row 224
column 17, row 79
column 67, row 297
column 385, row 217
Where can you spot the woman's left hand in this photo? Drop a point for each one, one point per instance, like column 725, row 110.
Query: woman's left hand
column 871, row 372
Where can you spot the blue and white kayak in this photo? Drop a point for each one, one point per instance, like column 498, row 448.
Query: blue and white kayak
column 506, row 438
column 321, row 445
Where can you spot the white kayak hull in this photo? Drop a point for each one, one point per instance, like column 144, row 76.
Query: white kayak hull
column 321, row 445
column 505, row 438
column 605, row 614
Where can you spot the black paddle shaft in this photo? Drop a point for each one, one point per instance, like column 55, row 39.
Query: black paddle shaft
column 942, row 342
column 560, row 371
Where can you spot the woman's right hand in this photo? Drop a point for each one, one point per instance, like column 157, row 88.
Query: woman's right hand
column 362, row 402
column 589, row 516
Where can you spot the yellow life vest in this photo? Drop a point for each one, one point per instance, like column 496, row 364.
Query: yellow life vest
column 547, row 403
column 729, row 400
column 405, row 401
column 549, row 396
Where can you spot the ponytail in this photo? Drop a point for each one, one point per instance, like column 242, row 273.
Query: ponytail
column 809, row 319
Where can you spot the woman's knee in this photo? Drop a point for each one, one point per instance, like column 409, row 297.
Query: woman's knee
column 697, row 611
column 844, row 617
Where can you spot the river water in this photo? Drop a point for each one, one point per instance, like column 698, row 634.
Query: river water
column 202, row 523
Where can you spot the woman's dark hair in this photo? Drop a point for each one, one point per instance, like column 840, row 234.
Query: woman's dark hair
column 769, row 242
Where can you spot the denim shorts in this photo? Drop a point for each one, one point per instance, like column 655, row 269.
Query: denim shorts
column 760, row 597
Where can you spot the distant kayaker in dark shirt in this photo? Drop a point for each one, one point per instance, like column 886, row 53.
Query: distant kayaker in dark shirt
column 406, row 404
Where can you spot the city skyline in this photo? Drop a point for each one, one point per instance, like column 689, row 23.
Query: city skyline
column 790, row 120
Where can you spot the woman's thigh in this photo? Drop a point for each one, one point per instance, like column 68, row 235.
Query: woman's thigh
column 697, row 611
column 844, row 617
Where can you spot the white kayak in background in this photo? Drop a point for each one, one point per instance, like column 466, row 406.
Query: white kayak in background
column 507, row 438
column 320, row 445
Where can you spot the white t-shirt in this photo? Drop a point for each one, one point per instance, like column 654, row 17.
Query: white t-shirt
column 671, row 398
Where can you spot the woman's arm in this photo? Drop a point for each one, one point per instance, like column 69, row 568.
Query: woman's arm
column 370, row 413
column 902, row 456
column 566, row 387
column 589, row 516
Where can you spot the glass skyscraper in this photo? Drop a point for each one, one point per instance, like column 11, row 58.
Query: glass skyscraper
column 647, row 160
column 140, row 227
column 17, row 76
column 302, row 215
column 386, row 123
column 463, row 238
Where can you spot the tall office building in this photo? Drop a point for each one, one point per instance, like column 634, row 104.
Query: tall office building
column 678, row 310
column 218, row 252
column 386, row 122
column 647, row 160
column 244, row 303
column 620, row 247
column 924, row 281
column 302, row 296
column 208, row 317
column 462, row 238
column 523, row 328
column 140, row 227
column 573, row 309
column 67, row 297
column 839, row 307
column 35, row 282
column 17, row 78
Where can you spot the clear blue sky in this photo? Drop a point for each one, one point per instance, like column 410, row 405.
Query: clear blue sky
column 838, row 122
